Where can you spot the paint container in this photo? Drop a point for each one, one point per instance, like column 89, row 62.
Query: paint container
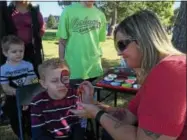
column 127, row 85
column 108, row 79
column 115, row 84
column 112, row 76
column 130, row 81
column 136, row 86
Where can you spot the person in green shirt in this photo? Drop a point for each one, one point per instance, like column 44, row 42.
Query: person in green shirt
column 81, row 28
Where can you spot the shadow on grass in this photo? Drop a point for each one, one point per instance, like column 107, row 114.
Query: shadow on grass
column 106, row 63
column 6, row 133
column 49, row 36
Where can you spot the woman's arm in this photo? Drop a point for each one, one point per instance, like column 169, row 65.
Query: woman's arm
column 119, row 130
column 121, row 114
column 124, row 115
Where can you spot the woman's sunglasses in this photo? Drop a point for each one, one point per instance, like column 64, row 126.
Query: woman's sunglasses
column 122, row 44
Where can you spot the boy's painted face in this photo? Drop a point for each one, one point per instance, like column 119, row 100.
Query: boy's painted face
column 15, row 53
column 56, row 82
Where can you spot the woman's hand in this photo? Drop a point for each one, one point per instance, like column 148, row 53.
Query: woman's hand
column 87, row 111
column 86, row 92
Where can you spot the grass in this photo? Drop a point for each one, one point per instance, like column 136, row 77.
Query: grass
column 50, row 45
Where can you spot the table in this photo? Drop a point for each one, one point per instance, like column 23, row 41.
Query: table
column 112, row 89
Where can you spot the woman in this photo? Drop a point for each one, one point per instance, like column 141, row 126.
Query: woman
column 158, row 111
column 27, row 23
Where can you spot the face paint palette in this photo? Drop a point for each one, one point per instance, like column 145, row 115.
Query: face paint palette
column 122, row 81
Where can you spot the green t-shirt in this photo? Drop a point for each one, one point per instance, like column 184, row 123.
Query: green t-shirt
column 83, row 28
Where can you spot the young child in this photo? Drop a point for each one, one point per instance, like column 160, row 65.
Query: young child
column 14, row 73
column 50, row 115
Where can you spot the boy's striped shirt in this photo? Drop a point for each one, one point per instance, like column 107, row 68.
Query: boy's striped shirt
column 54, row 115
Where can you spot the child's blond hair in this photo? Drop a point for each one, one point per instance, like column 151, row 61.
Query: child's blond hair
column 9, row 40
column 52, row 63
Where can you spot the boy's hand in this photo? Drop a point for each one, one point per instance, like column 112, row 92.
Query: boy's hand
column 11, row 92
column 86, row 92
column 34, row 80
column 103, row 106
column 25, row 107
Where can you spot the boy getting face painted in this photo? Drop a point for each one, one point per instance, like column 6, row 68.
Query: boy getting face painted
column 55, row 102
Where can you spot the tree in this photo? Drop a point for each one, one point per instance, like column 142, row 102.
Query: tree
column 51, row 22
column 174, row 17
column 110, row 10
column 163, row 9
column 63, row 3
column 116, row 11
column 176, row 11
column 179, row 38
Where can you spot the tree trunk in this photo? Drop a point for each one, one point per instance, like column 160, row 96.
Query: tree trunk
column 3, row 6
column 179, row 38
column 113, row 22
column 3, row 27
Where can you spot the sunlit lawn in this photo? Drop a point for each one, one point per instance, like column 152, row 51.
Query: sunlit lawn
column 50, row 45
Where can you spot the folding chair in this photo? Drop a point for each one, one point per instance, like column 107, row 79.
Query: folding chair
column 24, row 96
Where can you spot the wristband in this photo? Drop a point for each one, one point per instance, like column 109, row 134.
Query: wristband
column 98, row 116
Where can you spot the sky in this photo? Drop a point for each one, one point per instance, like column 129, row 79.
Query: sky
column 52, row 8
column 48, row 8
